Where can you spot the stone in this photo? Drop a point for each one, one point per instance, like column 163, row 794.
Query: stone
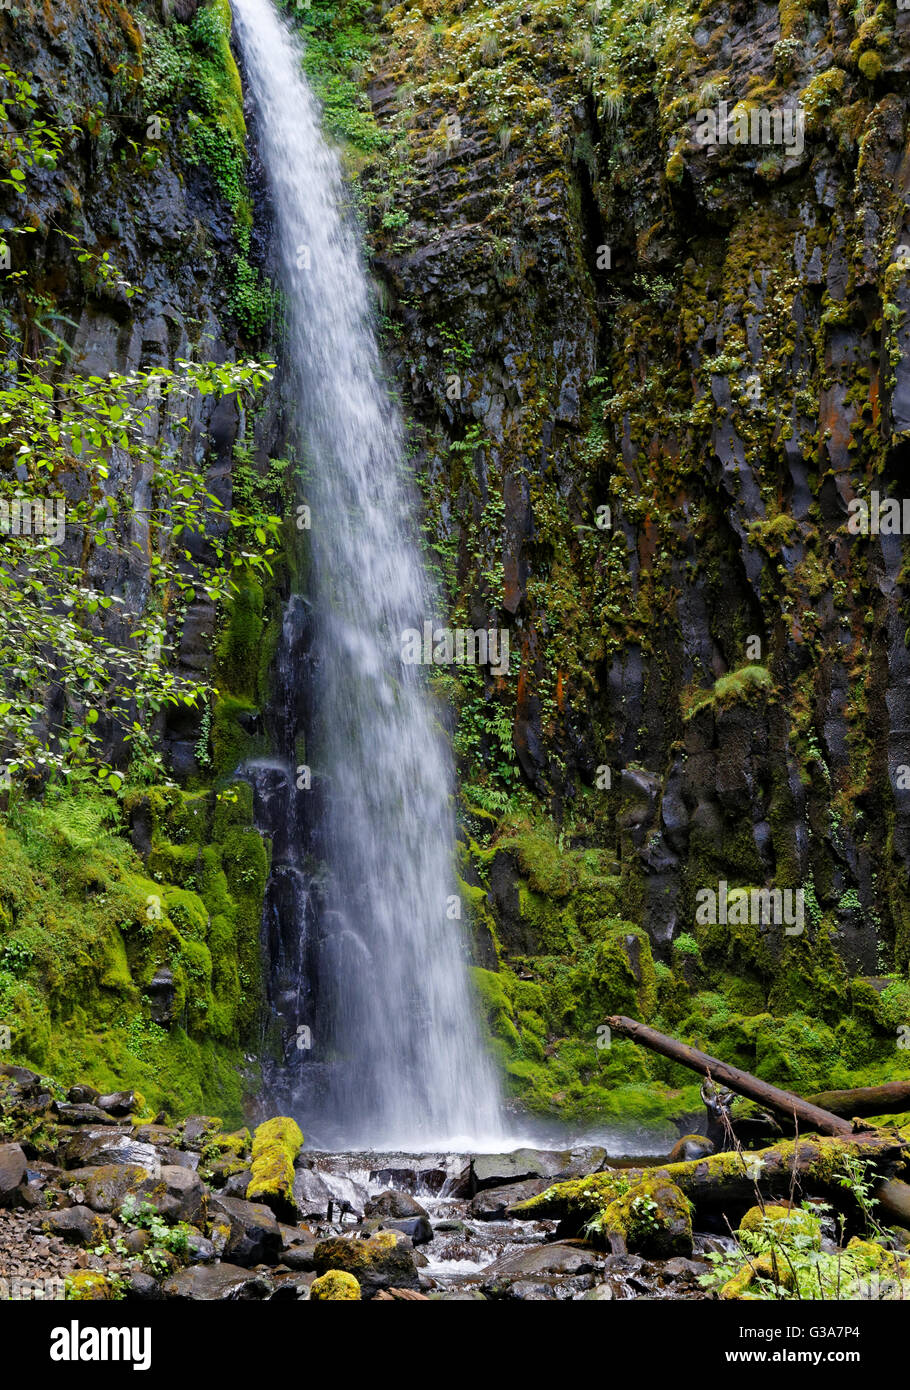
column 493, row 1203
column 276, row 1144
column 379, row 1262
column 119, row 1103
column 79, row 1225
column 416, row 1228
column 107, row 1186
column 393, row 1203
column 91, row 1148
column 217, row 1283
column 12, row 1171
column 82, row 1095
column 178, row 1194
column 254, row 1236
column 83, row 1114
column 335, row 1286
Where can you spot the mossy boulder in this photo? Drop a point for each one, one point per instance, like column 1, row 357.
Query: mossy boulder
column 276, row 1144
column 381, row 1261
column 653, row 1219
column 88, row 1286
column 336, row 1285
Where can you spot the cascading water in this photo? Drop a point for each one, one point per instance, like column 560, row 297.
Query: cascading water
column 367, row 959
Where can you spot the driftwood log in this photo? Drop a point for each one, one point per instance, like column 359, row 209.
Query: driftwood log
column 801, row 1112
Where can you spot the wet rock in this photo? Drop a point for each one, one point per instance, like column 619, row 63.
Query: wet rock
column 118, row 1103
column 393, row 1203
column 493, row 1203
column 253, row 1233
column 79, row 1226
column 558, row 1258
column 416, row 1228
column 161, row 990
column 12, row 1171
column 216, row 1283
column 81, row 1114
column 107, row 1186
column 237, row 1184
column 82, row 1095
column 93, row 1148
column 142, row 1287
column 690, row 1146
column 312, row 1193
column 499, row 1170
column 178, row 1194
column 382, row 1261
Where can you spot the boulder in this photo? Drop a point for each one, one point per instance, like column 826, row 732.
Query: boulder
column 81, row 1114
column 384, row 1260
column 216, row 1283
column 178, row 1194
column 335, row 1286
column 106, row 1187
column 416, row 1228
column 12, row 1171
column 118, row 1103
column 492, row 1204
column 252, row 1236
column 392, row 1203
column 312, row 1193
column 654, row 1219
column 499, row 1170
column 79, row 1225
column 94, row 1148
column 82, row 1095
column 690, row 1147
column 275, row 1146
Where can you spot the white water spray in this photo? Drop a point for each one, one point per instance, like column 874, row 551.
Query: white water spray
column 396, row 1045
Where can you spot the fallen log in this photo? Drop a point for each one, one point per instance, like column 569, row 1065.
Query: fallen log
column 731, row 1179
column 890, row 1099
column 801, row 1112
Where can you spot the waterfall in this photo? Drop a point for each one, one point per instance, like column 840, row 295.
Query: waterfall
column 372, row 957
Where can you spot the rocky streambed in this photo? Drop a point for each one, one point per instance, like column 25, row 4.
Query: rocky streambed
column 99, row 1202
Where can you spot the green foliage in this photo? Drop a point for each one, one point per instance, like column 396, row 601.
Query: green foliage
column 339, row 38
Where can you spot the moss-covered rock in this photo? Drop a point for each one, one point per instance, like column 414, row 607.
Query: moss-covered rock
column 653, row 1219
column 381, row 1261
column 276, row 1144
column 335, row 1285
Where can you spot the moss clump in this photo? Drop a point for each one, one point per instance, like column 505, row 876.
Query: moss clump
column 870, row 65
column 751, row 1281
column 788, row 1223
column 276, row 1144
column 337, row 1284
column 88, row 1286
column 747, row 684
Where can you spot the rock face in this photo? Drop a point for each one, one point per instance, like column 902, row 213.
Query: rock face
column 649, row 369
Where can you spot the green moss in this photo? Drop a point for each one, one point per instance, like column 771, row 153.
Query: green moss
column 336, row 1285
column 276, row 1144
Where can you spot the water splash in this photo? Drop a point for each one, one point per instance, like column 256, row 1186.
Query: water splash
column 369, row 960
